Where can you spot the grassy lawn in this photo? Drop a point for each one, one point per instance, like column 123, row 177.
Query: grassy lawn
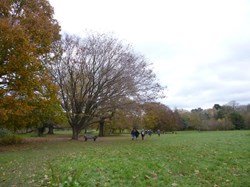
column 182, row 159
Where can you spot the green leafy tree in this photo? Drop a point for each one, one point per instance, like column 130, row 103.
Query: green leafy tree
column 237, row 120
column 27, row 30
column 217, row 106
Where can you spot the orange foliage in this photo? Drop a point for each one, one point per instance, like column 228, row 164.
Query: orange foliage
column 27, row 30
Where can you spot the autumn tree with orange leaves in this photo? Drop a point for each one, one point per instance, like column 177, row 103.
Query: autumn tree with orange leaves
column 27, row 94
column 159, row 116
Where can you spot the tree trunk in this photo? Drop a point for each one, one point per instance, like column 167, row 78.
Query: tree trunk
column 51, row 129
column 101, row 127
column 75, row 133
column 40, row 131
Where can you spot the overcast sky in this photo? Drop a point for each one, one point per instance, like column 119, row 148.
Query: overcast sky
column 200, row 49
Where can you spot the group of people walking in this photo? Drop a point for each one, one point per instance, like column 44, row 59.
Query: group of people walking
column 135, row 133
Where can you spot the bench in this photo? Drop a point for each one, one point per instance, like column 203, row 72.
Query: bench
column 89, row 136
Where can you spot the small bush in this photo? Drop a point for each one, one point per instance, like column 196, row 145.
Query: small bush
column 10, row 140
column 4, row 132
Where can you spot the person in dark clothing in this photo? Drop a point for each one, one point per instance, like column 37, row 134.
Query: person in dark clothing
column 149, row 132
column 133, row 133
column 136, row 134
column 158, row 132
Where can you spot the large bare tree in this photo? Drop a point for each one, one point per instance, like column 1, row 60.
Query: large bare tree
column 96, row 73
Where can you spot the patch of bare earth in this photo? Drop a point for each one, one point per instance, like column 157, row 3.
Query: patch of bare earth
column 34, row 141
column 50, row 138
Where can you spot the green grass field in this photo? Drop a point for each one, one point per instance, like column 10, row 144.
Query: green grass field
column 210, row 159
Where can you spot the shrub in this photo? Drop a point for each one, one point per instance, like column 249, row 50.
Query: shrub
column 4, row 132
column 10, row 140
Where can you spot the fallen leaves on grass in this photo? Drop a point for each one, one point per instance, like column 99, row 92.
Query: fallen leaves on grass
column 196, row 171
column 174, row 184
